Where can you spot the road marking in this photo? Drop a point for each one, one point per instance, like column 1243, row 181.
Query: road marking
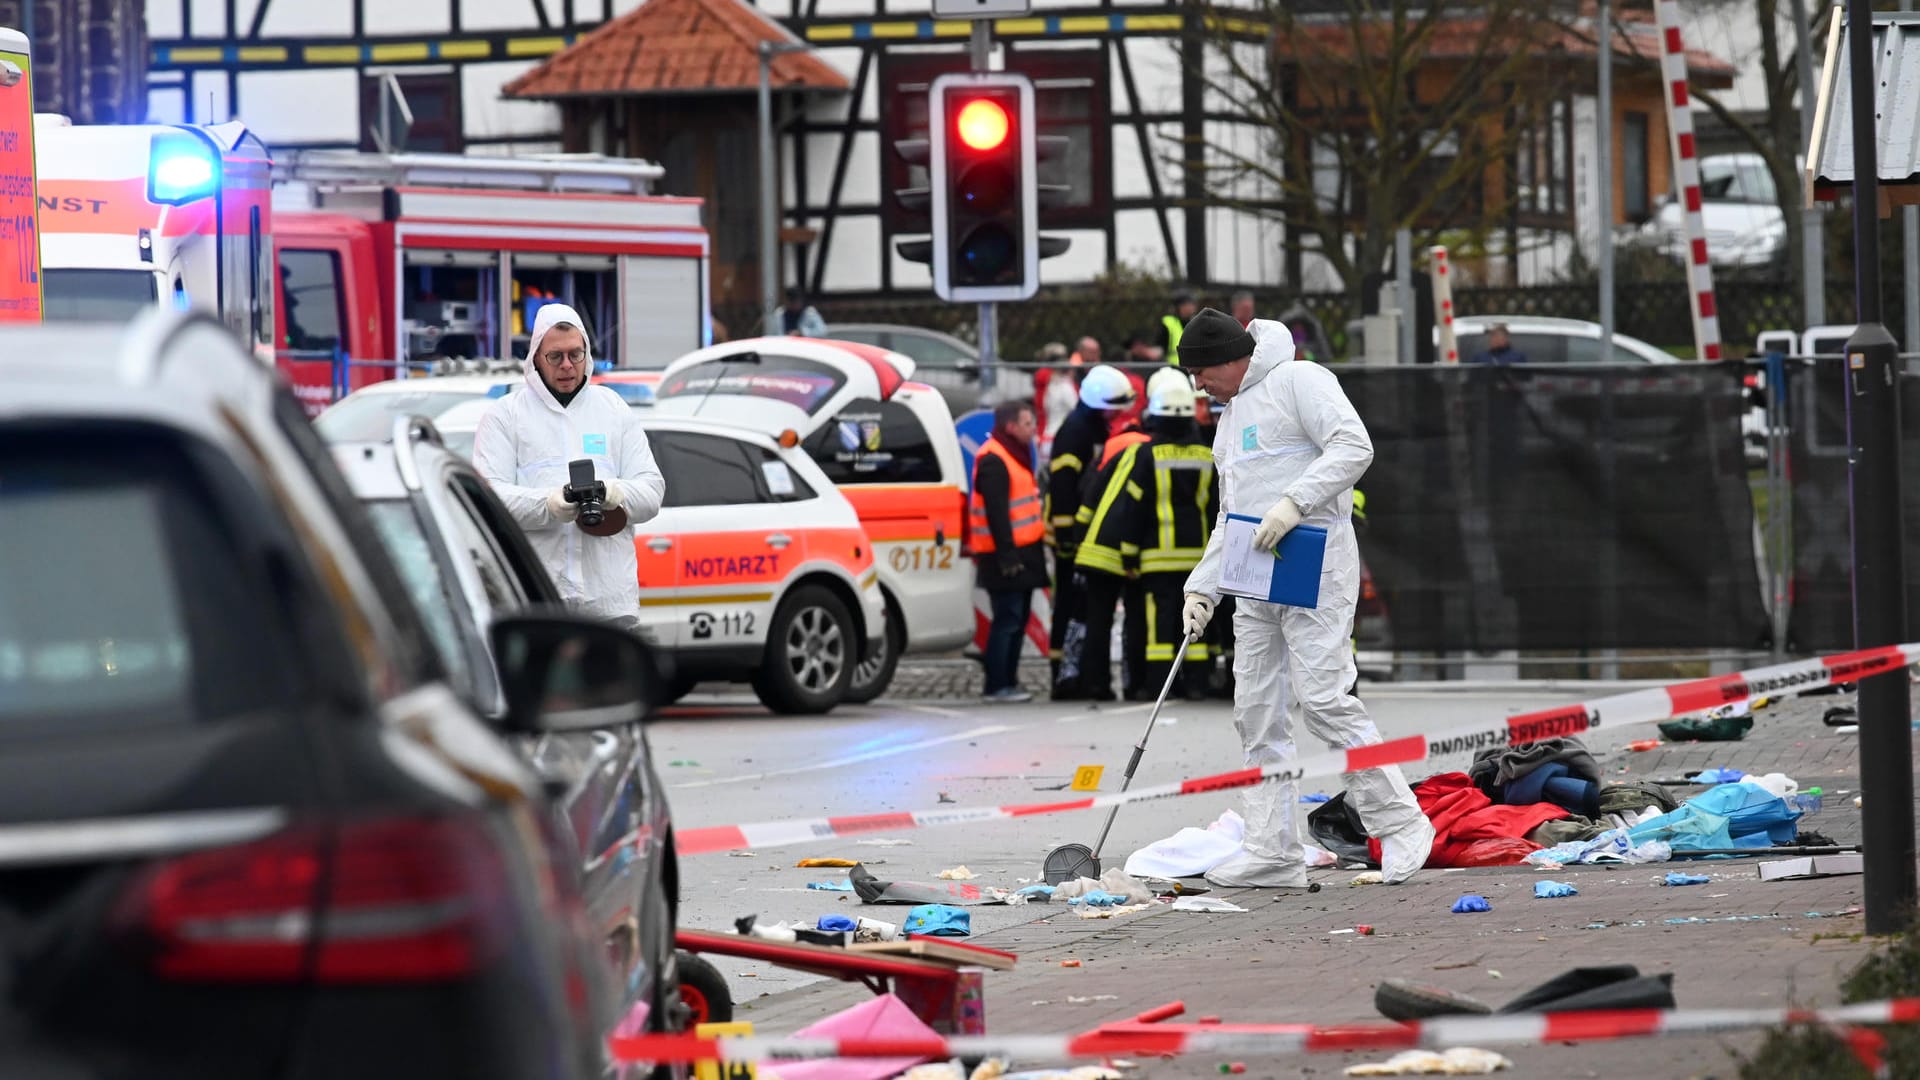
column 855, row 759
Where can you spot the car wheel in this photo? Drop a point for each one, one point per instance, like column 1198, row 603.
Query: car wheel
column 703, row 990
column 809, row 658
column 874, row 674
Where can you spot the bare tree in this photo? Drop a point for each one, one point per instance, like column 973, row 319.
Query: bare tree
column 1361, row 117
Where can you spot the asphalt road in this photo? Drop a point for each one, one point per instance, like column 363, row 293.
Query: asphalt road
column 726, row 760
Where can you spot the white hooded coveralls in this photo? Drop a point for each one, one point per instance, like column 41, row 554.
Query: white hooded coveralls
column 1291, row 432
column 523, row 446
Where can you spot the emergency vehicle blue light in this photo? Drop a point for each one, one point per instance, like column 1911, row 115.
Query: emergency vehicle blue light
column 181, row 167
column 499, row 391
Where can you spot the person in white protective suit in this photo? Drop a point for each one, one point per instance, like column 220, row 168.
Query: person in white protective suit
column 524, row 444
column 1288, row 448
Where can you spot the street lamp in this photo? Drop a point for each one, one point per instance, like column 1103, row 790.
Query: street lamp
column 769, row 196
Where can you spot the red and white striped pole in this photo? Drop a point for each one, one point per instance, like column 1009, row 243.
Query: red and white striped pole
column 1686, row 173
column 1443, row 305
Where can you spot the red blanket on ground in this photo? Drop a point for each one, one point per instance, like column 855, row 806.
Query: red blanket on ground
column 1462, row 816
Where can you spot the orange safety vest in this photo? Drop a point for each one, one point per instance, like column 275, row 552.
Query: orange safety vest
column 1120, row 442
column 1023, row 505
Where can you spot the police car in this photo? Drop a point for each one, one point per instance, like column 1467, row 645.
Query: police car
column 887, row 442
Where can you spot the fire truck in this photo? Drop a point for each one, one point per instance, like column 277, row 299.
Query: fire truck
column 392, row 263
column 133, row 215
column 19, row 205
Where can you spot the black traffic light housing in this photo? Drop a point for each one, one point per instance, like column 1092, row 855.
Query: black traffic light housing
column 983, row 196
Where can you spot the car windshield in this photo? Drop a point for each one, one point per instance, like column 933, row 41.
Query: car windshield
column 807, row 384
column 369, row 417
column 97, row 295
column 406, row 541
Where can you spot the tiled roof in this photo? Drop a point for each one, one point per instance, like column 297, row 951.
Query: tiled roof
column 676, row 47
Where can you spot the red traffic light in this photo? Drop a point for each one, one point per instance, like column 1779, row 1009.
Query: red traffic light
column 982, row 124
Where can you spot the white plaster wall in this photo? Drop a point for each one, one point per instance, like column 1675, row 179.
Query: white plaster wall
column 420, row 16
column 484, row 113
column 291, row 18
column 282, row 106
column 1730, row 29
column 1137, row 241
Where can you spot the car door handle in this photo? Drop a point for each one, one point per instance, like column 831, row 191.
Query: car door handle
column 940, row 536
column 659, row 543
column 778, row 540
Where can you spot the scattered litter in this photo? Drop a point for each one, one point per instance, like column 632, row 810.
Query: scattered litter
column 1677, row 878
column 1371, row 877
column 1492, row 974
column 1234, row 1067
column 1717, row 776
column 1547, row 890
column 1069, row 963
column 1614, row 845
column 1348, row 930
column 944, row 797
column 742, row 854
column 1471, row 903
column 1813, row 866
column 1097, row 898
column 1729, row 723
column 883, row 843
column 1475, row 962
column 1071, row 1000
column 1115, row 881
column 1363, row 930
column 939, row 920
column 1717, row 895
column 1644, row 744
column 1035, row 892
column 958, row 873
column 1205, row 903
column 1316, row 797
column 1087, row 911
column 837, row 922
column 811, row 863
column 683, row 764
column 831, row 886
column 1457, row 1061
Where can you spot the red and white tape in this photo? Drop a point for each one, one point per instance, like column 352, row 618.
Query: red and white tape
column 1686, row 172
column 1621, row 710
column 1255, row 1040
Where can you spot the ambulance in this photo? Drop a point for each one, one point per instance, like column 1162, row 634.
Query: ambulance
column 19, row 200
column 133, row 215
column 392, row 263
column 886, row 441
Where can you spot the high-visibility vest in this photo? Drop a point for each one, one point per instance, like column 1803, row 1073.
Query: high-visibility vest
column 1120, row 442
column 1023, row 502
column 1172, row 323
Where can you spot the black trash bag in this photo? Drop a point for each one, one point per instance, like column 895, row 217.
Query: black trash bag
column 1614, row 986
column 1335, row 825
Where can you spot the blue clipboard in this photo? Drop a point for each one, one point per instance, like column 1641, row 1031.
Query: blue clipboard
column 1296, row 569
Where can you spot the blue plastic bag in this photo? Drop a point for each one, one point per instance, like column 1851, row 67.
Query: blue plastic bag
column 1676, row 878
column 939, row 920
column 1471, row 903
column 837, row 922
column 1546, row 890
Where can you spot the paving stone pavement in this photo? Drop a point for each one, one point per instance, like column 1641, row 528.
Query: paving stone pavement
column 1736, row 942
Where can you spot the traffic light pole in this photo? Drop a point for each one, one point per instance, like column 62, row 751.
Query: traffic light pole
column 980, row 51
column 1879, row 577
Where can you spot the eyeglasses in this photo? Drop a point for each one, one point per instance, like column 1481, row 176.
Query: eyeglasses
column 571, row 358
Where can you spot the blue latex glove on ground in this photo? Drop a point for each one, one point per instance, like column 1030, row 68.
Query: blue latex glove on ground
column 1677, row 878
column 1097, row 898
column 837, row 922
column 831, row 886
column 1545, row 890
column 1042, row 892
column 1471, row 903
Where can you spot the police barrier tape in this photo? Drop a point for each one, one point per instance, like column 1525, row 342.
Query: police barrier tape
column 1635, row 707
column 1253, row 1040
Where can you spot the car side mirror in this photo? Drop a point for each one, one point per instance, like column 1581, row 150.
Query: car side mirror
column 563, row 673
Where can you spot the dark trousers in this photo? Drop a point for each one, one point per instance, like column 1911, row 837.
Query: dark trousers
column 1166, row 596
column 1068, row 633
column 1005, row 634
column 1104, row 592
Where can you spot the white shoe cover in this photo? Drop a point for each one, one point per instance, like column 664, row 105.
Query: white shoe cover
column 1403, row 852
column 1249, row 871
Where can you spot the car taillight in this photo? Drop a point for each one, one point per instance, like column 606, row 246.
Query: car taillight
column 388, row 900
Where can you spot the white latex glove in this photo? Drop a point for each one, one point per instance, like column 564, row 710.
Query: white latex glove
column 617, row 493
column 1196, row 614
column 559, row 507
column 1277, row 523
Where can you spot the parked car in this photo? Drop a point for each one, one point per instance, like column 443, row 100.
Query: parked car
column 888, row 442
column 467, row 564
column 1740, row 209
column 367, row 414
column 247, row 827
column 943, row 362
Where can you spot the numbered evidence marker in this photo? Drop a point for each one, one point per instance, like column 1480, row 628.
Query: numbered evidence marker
column 723, row 1070
column 1087, row 777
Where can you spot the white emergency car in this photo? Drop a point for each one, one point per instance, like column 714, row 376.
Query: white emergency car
column 757, row 568
column 888, row 442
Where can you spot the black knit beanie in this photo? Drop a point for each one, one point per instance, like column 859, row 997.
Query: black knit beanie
column 1213, row 337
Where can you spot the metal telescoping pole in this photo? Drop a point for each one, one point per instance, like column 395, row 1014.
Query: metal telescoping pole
column 1813, row 239
column 1603, row 174
column 769, row 227
column 1879, row 578
column 1403, row 292
column 1910, row 267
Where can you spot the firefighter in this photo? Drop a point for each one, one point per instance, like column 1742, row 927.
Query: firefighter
column 1149, row 524
column 1077, row 446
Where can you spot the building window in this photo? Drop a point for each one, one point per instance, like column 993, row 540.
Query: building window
column 1070, row 96
column 1543, row 173
column 1635, row 186
column 434, row 101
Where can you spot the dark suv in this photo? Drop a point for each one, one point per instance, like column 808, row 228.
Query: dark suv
column 246, row 827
